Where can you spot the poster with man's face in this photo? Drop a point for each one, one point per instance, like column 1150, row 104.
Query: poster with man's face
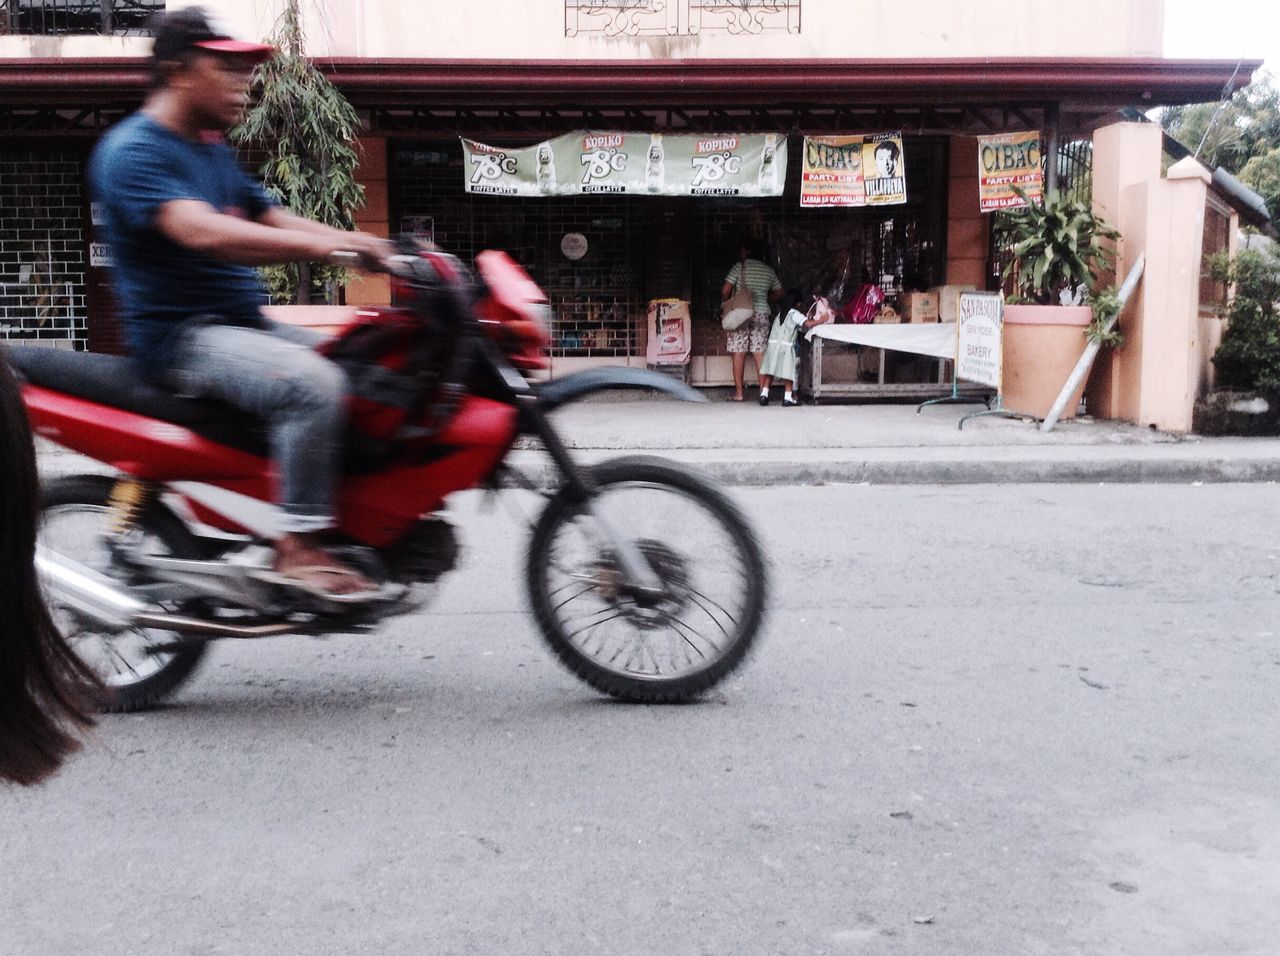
column 886, row 179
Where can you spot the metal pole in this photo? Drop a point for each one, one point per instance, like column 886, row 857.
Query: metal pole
column 1053, row 141
column 1081, row 371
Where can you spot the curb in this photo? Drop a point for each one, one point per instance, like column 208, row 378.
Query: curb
column 774, row 473
column 756, row 468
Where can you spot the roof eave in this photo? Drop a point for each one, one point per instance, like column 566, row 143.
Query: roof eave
column 1112, row 82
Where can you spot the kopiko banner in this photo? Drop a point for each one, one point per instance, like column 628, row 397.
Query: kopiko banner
column 853, row 171
column 647, row 164
column 1006, row 161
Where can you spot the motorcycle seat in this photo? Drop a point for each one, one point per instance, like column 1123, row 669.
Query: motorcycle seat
column 115, row 381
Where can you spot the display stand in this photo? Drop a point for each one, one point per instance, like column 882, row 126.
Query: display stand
column 930, row 340
column 997, row 409
column 956, row 397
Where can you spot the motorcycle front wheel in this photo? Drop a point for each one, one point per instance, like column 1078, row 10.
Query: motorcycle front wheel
column 75, row 522
column 665, row 648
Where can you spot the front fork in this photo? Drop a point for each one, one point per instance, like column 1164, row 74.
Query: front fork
column 640, row 578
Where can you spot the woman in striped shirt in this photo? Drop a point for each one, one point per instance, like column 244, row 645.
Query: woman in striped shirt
column 763, row 284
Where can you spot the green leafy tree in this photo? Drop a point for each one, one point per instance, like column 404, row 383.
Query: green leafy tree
column 1248, row 125
column 1249, row 356
column 1262, row 174
column 307, row 131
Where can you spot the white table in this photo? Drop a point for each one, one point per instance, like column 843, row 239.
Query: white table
column 933, row 339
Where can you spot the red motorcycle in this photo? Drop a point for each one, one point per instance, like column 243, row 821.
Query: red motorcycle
column 644, row 578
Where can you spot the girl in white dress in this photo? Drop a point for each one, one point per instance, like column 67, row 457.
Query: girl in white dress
column 780, row 358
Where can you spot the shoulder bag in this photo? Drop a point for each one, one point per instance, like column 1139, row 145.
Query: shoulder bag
column 740, row 306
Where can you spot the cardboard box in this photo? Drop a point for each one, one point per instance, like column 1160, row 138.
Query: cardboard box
column 918, row 307
column 949, row 300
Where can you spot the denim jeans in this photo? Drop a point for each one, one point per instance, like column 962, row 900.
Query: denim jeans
column 276, row 374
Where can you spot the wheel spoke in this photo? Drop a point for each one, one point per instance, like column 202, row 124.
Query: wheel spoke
column 587, row 589
column 698, row 597
column 657, row 667
column 714, row 620
column 681, row 624
column 688, row 644
column 586, row 627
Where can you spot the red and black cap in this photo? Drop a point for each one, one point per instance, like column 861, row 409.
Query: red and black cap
column 193, row 28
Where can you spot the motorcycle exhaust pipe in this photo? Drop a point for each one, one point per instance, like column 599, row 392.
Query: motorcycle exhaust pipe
column 87, row 592
column 96, row 596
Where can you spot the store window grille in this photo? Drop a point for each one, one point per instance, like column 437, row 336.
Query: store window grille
column 596, row 300
column 640, row 247
column 1075, row 170
column 62, row 17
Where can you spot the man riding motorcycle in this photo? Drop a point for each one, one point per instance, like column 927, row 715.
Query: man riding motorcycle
column 186, row 227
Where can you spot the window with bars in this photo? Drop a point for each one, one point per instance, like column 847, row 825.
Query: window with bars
column 63, row 17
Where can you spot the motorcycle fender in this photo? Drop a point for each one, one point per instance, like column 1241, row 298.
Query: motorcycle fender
column 571, row 388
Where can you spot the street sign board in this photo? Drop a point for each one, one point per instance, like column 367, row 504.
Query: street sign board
column 979, row 338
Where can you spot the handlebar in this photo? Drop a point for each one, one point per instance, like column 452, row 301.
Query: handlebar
column 397, row 265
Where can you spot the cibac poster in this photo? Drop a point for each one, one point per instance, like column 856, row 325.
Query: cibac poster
column 861, row 170
column 1005, row 161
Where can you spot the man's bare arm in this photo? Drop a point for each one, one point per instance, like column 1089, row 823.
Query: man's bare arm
column 279, row 218
column 201, row 228
column 278, row 237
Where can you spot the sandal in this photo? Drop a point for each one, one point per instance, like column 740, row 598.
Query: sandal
column 315, row 588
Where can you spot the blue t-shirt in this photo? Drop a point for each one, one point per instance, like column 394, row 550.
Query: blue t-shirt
column 137, row 167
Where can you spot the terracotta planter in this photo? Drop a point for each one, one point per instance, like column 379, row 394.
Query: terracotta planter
column 1042, row 344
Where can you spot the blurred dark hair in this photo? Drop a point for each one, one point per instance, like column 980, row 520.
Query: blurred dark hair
column 180, row 35
column 174, row 33
column 754, row 247
column 797, row 299
column 42, row 683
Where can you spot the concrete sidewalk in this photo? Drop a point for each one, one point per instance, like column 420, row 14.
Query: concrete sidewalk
column 893, row 444
column 744, row 444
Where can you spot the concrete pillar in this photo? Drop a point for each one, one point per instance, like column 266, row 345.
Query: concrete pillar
column 967, row 229
column 373, row 217
column 1125, row 156
column 1168, row 309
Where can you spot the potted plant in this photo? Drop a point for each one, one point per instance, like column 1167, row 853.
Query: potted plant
column 1058, row 250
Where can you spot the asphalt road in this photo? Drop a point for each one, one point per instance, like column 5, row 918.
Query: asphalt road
column 1036, row 719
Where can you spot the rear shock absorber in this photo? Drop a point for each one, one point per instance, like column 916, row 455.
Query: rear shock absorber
column 128, row 500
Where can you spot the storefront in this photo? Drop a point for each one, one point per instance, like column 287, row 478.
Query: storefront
column 629, row 249
column 603, row 257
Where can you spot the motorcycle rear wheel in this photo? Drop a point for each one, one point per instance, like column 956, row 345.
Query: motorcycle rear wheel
column 698, row 543
column 75, row 517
